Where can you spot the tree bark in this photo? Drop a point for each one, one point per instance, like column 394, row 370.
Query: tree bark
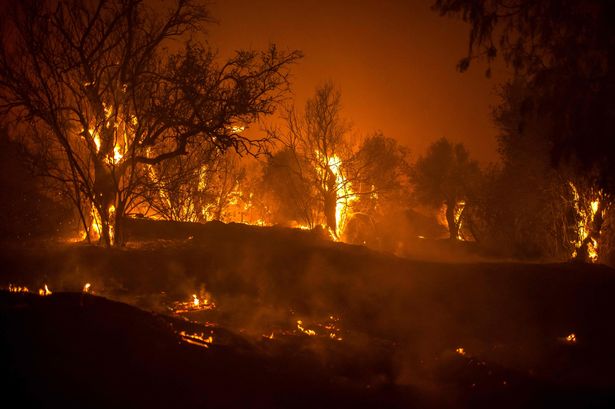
column 104, row 196
column 453, row 227
column 330, row 201
column 594, row 234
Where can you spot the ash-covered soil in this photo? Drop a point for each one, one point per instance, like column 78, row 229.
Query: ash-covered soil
column 297, row 321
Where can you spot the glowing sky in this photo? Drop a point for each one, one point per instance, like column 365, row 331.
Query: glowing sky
column 393, row 60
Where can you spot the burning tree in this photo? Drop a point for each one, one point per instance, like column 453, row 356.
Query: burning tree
column 590, row 209
column 563, row 53
column 378, row 170
column 316, row 144
column 445, row 176
column 98, row 78
column 197, row 187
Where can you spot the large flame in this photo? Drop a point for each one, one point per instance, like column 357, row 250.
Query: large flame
column 345, row 195
column 585, row 220
column 44, row 291
column 96, row 224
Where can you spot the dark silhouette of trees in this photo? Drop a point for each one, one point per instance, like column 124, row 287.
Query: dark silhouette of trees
column 378, row 170
column 446, row 175
column 28, row 210
column 287, row 184
column 97, row 77
column 564, row 50
column 523, row 208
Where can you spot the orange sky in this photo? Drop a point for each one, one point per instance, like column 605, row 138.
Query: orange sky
column 394, row 61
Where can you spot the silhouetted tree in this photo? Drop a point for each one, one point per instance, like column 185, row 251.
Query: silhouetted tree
column 97, row 76
column 28, row 210
column 378, row 170
column 564, row 49
column 287, row 183
column 445, row 175
column 318, row 139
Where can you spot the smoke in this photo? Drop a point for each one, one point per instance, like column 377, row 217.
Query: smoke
column 394, row 320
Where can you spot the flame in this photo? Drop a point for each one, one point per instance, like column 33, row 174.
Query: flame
column 108, row 110
column 96, row 138
column 571, row 338
column 44, row 291
column 460, row 351
column 96, row 225
column 117, row 155
column 458, row 221
column 200, row 302
column 304, row 330
column 457, row 214
column 18, row 289
column 86, row 288
column 586, row 216
column 345, row 195
column 296, row 225
column 196, row 339
column 111, row 229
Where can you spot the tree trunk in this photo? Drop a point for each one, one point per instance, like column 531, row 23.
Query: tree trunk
column 104, row 196
column 594, row 234
column 330, row 201
column 453, row 227
column 118, row 227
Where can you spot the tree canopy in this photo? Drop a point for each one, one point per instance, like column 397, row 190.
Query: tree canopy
column 445, row 176
column 565, row 50
column 97, row 79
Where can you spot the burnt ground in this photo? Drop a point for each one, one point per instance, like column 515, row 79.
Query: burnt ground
column 400, row 321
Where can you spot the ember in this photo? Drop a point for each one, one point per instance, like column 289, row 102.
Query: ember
column 198, row 339
column 202, row 303
column 304, row 330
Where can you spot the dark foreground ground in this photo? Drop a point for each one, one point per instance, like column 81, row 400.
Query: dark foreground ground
column 387, row 332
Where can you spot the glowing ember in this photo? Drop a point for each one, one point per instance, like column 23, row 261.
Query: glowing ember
column 198, row 339
column 332, row 328
column 458, row 220
column 571, row 338
column 44, row 291
column 461, row 351
column 304, row 330
column 18, row 289
column 201, row 302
